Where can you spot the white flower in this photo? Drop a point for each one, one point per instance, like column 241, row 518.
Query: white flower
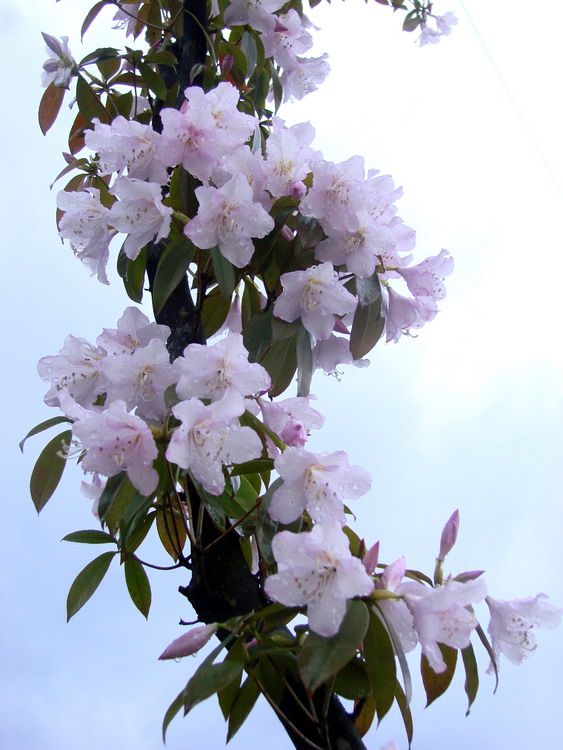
column 316, row 296
column 229, row 217
column 211, row 436
column 139, row 213
column 60, row 65
column 440, row 615
column 316, row 482
column 512, row 623
column 209, row 371
column 133, row 330
column 116, row 441
column 317, row 569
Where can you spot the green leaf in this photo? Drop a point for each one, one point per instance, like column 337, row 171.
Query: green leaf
column 116, row 497
column 49, row 106
column 134, row 278
column 248, row 47
column 400, row 653
column 281, row 363
column 369, row 319
column 257, row 335
column 86, row 582
column 224, row 273
column 412, row 21
column 91, row 15
column 41, row 427
column 138, row 585
column 153, row 81
column 48, row 470
column 171, row 712
column 304, row 362
column 352, row 681
column 380, row 664
column 171, row 270
column 226, row 697
column 162, row 57
column 89, row 536
column 471, row 675
column 321, row 658
column 213, row 506
column 242, row 706
column 251, row 304
column 257, row 466
column 266, row 527
column 89, row 104
column 406, row 714
column 436, row 683
column 488, row 648
column 209, row 679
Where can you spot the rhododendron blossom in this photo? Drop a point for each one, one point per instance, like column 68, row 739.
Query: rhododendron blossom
column 133, row 330
column 229, row 217
column 209, row 371
column 292, row 419
column 316, row 482
column 60, row 65
column 440, row 615
column 210, row 436
column 139, row 213
column 116, row 441
column 317, row 569
column 512, row 623
column 316, row 296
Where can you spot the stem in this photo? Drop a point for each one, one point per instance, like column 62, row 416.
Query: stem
column 233, row 527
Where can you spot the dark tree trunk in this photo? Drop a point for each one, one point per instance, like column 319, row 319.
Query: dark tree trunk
column 221, row 585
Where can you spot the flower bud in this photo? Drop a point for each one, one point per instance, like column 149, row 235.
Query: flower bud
column 370, row 558
column 190, row 642
column 449, row 535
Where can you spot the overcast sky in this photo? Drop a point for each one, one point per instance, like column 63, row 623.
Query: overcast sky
column 467, row 415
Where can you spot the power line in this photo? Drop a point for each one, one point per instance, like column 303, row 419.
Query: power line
column 511, row 99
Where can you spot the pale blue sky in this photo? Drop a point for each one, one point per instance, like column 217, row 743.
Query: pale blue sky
column 467, row 415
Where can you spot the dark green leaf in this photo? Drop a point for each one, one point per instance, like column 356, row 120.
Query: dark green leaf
column 251, row 304
column 364, row 719
column 266, row 527
column 162, row 57
column 153, row 80
column 276, row 87
column 208, row 679
column 224, row 273
column 380, row 664
column 89, row 536
column 137, row 534
column 138, row 585
column 171, row 712
column 304, row 362
column 321, row 658
column 227, row 695
column 488, row 648
column 436, row 683
column 242, row 706
column 403, row 704
column 281, row 363
column 248, row 47
column 257, row 336
column 215, row 310
column 89, row 104
column 213, row 507
column 115, row 499
column 102, row 53
column 134, row 278
column 352, row 681
column 257, row 466
column 86, row 582
column 400, row 653
column 48, row 470
column 171, row 270
column 471, row 675
column 41, row 427
column 368, row 323
column 412, row 21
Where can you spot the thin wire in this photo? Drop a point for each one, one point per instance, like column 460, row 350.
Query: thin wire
column 511, row 99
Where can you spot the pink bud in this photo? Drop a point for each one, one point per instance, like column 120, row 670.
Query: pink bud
column 296, row 189
column 227, row 63
column 469, row 575
column 294, row 434
column 371, row 558
column 190, row 642
column 287, row 233
column 449, row 535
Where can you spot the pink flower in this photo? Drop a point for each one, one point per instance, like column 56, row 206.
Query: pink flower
column 337, row 194
column 133, row 330
column 317, row 569
column 75, row 369
column 189, row 643
column 291, row 419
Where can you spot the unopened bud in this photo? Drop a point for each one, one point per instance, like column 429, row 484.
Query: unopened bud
column 449, row 535
column 227, row 63
column 371, row 558
column 190, row 642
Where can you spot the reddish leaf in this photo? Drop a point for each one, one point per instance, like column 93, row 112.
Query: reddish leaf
column 49, row 106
